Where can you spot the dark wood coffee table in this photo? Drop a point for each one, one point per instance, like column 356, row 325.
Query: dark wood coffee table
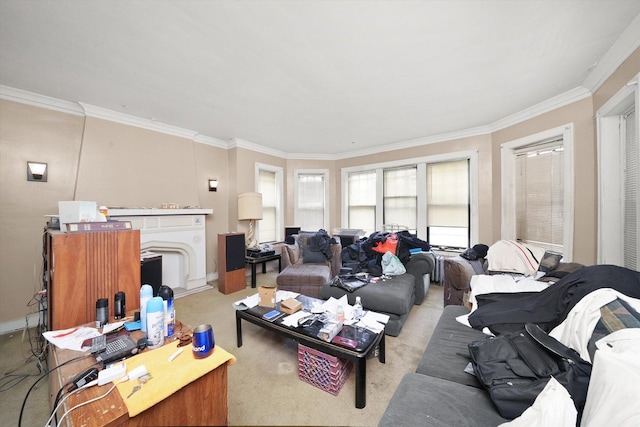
column 368, row 341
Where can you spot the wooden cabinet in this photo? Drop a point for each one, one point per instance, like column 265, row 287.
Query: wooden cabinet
column 231, row 266
column 83, row 267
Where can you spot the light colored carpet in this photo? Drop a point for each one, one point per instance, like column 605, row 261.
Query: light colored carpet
column 264, row 388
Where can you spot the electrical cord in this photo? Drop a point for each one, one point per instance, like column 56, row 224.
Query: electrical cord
column 24, row 402
column 66, row 396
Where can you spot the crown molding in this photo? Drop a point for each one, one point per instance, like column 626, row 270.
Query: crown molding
column 127, row 119
column 81, row 108
column 623, row 47
column 214, row 142
column 543, row 107
column 37, row 100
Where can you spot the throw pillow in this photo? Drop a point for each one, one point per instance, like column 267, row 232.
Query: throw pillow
column 294, row 252
column 312, row 257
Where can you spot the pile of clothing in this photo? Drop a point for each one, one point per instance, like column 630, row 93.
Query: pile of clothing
column 367, row 253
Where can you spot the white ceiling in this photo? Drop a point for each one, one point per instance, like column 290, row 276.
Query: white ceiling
column 313, row 77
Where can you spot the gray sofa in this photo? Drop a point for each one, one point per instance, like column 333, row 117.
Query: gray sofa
column 439, row 392
column 394, row 297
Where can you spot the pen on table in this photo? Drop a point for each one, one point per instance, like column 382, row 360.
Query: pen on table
column 174, row 355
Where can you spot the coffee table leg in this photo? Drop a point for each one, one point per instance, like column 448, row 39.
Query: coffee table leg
column 361, row 382
column 253, row 275
column 238, row 331
column 381, row 347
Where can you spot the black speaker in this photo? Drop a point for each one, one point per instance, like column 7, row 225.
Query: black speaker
column 235, row 252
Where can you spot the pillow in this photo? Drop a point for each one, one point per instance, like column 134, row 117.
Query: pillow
column 510, row 256
column 294, row 252
column 312, row 257
column 549, row 261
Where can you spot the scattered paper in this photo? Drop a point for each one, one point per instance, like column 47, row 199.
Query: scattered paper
column 283, row 295
column 111, row 327
column 248, row 302
column 292, row 319
column 71, row 339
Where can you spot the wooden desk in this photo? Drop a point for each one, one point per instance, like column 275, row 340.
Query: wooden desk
column 202, row 402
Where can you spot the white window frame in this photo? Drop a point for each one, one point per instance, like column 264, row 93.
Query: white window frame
column 279, row 195
column 508, row 161
column 610, row 145
column 325, row 174
column 421, row 162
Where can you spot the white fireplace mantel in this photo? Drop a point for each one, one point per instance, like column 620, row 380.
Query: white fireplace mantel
column 157, row 211
column 179, row 236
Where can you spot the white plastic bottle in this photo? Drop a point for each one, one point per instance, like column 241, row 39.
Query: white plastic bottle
column 358, row 311
column 155, row 323
column 146, row 293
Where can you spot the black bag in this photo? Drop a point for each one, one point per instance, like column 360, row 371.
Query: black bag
column 349, row 282
column 515, row 367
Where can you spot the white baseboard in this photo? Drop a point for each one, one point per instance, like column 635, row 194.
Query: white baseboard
column 19, row 324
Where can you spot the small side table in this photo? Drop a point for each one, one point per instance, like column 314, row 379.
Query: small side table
column 253, row 261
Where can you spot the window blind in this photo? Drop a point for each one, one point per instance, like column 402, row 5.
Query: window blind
column 362, row 200
column 267, row 225
column 311, row 202
column 400, row 199
column 448, row 194
column 539, row 194
column 631, row 192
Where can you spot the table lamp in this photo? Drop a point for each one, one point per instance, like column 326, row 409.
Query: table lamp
column 250, row 208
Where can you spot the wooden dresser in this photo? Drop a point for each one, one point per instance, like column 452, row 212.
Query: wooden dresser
column 83, row 267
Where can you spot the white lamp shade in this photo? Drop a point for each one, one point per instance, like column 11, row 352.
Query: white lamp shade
column 249, row 206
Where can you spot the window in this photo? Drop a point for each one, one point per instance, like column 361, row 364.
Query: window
column 269, row 183
column 400, row 198
column 448, row 206
column 537, row 190
column 361, row 206
column 311, row 201
column 400, row 194
column 619, row 179
column 631, row 189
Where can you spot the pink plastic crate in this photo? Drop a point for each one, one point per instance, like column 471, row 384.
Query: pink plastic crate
column 328, row 373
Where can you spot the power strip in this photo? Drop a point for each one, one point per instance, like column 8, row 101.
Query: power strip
column 112, row 373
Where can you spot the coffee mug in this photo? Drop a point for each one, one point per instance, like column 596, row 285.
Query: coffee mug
column 203, row 342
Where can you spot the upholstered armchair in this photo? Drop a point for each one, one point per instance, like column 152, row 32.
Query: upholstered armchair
column 305, row 270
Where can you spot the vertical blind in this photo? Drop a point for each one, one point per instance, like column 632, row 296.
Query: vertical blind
column 311, row 201
column 539, row 194
column 400, row 197
column 267, row 225
column 362, row 200
column 631, row 192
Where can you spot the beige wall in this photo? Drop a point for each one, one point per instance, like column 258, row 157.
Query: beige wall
column 580, row 114
column 115, row 164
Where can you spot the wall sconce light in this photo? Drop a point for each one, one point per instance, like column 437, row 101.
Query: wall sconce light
column 213, row 185
column 36, row 171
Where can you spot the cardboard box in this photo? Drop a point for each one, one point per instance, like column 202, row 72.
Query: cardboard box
column 267, row 296
column 290, row 305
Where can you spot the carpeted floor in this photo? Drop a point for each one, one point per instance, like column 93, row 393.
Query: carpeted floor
column 264, row 388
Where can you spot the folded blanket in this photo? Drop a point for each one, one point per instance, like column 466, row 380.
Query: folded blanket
column 167, row 377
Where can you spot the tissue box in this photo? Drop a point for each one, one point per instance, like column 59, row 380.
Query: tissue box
column 267, row 296
column 290, row 305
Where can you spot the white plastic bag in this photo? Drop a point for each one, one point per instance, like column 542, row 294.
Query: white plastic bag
column 392, row 265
